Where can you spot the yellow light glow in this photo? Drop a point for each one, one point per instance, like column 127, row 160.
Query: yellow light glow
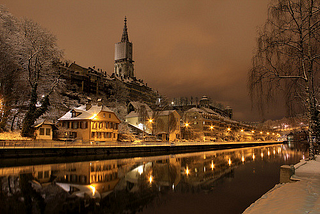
column 93, row 116
column 212, row 165
column 93, row 189
column 186, row 125
column 229, row 162
column 150, row 179
column 187, row 171
column 253, row 157
column 242, row 130
column 261, row 154
column 252, row 131
column 211, row 127
column 242, row 158
column 261, row 132
column 272, row 133
column 150, row 120
column 228, row 129
column 268, row 153
column 268, row 133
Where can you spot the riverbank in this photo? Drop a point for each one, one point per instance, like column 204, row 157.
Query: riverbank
column 302, row 195
column 115, row 149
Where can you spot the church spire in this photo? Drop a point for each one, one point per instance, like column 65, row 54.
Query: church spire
column 125, row 37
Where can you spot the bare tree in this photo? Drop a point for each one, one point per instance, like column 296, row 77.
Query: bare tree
column 287, row 58
column 12, row 88
column 38, row 58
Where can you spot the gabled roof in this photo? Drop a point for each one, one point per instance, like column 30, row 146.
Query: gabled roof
column 166, row 112
column 44, row 122
column 137, row 105
column 85, row 114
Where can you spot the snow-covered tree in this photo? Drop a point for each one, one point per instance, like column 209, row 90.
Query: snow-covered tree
column 40, row 55
column 287, row 58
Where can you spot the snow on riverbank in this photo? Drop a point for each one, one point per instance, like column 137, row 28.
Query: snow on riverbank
column 302, row 196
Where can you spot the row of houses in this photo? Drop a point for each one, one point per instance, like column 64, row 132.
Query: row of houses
column 98, row 123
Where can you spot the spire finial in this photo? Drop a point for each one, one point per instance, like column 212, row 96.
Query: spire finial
column 125, row 37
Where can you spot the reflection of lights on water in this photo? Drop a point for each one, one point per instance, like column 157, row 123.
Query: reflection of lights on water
column 261, row 154
column 93, row 189
column 242, row 158
column 274, row 151
column 212, row 165
column 303, row 157
column 268, row 153
column 279, row 150
column 150, row 179
column 172, row 186
column 140, row 170
column 253, row 157
column 187, row 171
column 204, row 157
column 204, row 169
column 229, row 162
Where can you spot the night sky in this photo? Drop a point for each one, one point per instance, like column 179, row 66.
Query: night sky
column 180, row 47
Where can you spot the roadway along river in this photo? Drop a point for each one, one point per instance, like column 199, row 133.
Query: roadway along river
column 221, row 181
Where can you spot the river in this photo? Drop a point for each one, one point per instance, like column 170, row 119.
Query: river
column 220, row 181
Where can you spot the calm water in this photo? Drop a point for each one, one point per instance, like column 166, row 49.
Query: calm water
column 225, row 181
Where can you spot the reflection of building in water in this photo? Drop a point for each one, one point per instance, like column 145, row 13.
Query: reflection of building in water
column 199, row 172
column 100, row 176
column 135, row 182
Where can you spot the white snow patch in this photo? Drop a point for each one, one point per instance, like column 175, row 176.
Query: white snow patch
column 298, row 197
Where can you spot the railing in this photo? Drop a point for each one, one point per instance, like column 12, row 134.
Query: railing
column 11, row 144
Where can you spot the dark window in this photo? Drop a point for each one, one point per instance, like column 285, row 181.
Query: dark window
column 98, row 134
column 48, row 131
column 93, row 134
column 46, row 174
column 41, row 131
column 40, row 175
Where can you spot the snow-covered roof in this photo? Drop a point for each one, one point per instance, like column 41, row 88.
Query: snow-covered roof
column 132, row 114
column 165, row 113
column 43, row 122
column 136, row 105
column 85, row 114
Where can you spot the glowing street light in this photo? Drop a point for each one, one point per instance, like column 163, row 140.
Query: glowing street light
column 228, row 129
column 212, row 165
column 187, row 171
column 93, row 189
column 150, row 120
column 186, row 125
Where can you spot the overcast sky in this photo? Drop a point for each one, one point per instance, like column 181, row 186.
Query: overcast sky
column 180, row 47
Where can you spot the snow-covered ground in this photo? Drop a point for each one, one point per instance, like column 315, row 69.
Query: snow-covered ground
column 302, row 196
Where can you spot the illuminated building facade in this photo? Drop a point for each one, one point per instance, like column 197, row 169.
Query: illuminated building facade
column 89, row 123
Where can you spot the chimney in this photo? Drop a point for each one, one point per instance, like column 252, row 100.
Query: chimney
column 88, row 105
column 99, row 102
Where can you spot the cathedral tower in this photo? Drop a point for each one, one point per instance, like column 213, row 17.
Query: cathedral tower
column 123, row 63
